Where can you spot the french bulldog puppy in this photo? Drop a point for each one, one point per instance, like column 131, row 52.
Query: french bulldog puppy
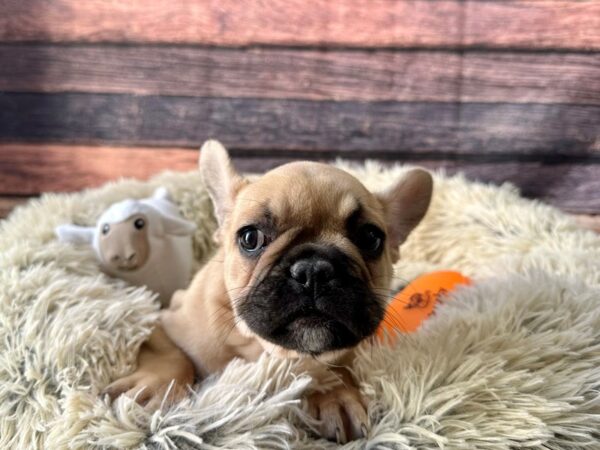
column 302, row 271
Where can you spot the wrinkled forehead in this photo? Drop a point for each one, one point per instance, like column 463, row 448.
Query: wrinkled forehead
column 307, row 195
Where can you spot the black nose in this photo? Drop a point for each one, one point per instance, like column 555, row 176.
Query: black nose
column 311, row 272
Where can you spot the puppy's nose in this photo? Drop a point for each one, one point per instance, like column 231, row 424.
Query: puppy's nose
column 311, row 272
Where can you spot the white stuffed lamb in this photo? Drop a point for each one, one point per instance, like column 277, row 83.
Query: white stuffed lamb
column 145, row 242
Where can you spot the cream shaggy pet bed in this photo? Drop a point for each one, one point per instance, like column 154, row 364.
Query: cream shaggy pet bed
column 511, row 362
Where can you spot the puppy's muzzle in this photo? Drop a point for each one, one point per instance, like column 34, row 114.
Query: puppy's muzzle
column 312, row 300
column 312, row 273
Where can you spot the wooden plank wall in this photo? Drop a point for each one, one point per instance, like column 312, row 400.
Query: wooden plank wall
column 503, row 90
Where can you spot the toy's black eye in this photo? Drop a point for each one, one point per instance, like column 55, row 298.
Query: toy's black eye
column 370, row 240
column 139, row 223
column 251, row 239
column 105, row 228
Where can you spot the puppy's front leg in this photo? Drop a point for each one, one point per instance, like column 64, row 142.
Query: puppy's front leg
column 160, row 363
column 342, row 411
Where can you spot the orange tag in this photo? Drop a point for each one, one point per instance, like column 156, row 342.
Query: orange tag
column 416, row 302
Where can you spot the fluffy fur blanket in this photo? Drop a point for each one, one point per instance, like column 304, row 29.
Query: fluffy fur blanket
column 511, row 362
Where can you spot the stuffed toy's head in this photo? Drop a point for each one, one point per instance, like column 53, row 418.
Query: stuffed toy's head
column 124, row 231
column 124, row 245
column 144, row 241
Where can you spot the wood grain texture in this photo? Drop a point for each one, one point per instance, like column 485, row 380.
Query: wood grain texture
column 303, row 74
column 32, row 169
column 362, row 23
column 571, row 187
column 27, row 169
column 372, row 23
column 248, row 124
column 342, row 127
column 8, row 203
column 534, row 129
column 202, row 72
column 551, row 24
column 530, row 78
column 588, row 221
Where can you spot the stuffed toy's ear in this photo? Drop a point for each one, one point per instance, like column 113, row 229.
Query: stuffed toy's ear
column 221, row 180
column 75, row 234
column 405, row 205
column 177, row 227
column 162, row 193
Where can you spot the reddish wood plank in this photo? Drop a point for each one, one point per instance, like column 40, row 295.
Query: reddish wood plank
column 533, row 24
column 7, row 204
column 201, row 72
column 363, row 23
column 30, row 169
column 371, row 23
column 591, row 222
column 349, row 128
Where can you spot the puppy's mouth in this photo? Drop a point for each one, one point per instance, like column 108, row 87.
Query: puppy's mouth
column 127, row 267
column 310, row 320
column 311, row 331
column 315, row 333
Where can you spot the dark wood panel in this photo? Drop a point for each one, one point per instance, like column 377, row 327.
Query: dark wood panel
column 303, row 74
column 503, row 128
column 533, row 24
column 572, row 187
column 27, row 169
column 328, row 126
column 234, row 22
column 201, row 72
column 530, row 77
column 246, row 124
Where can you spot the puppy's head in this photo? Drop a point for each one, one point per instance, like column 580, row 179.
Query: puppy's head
column 308, row 250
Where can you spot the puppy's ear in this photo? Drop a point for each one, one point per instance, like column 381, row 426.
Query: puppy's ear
column 405, row 205
column 221, row 180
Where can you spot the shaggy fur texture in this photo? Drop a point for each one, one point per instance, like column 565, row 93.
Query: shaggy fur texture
column 511, row 362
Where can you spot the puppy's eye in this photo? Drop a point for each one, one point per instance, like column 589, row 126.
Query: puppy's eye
column 370, row 240
column 251, row 239
column 139, row 224
column 105, row 228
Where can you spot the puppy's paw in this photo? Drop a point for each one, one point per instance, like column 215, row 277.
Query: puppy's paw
column 151, row 390
column 342, row 413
